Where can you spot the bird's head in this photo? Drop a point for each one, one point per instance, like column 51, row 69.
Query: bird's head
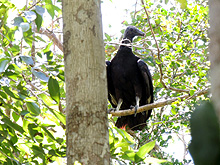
column 131, row 32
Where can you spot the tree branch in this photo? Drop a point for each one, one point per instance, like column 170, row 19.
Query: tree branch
column 51, row 36
column 157, row 104
column 158, row 49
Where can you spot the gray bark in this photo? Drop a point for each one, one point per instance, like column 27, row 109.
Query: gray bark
column 214, row 32
column 86, row 87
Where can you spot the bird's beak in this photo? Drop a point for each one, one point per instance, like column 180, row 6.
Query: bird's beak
column 140, row 33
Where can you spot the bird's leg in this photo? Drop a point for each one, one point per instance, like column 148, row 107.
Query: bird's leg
column 120, row 101
column 136, row 106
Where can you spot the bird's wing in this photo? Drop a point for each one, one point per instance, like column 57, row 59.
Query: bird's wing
column 147, row 79
column 111, row 90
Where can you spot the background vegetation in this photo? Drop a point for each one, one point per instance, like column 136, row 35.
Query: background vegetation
column 32, row 90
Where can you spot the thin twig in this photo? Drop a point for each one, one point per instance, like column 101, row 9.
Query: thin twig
column 30, row 7
column 158, row 49
column 51, row 36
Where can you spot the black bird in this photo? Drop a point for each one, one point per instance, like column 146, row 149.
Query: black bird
column 129, row 83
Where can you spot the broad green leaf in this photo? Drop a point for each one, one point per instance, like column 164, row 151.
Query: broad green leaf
column 49, row 55
column 183, row 3
column 191, row 92
column 3, row 64
column 15, row 116
column 128, row 155
column 50, row 8
column 37, row 150
column 30, row 15
column 24, row 112
column 143, row 150
column 27, row 59
column 40, row 10
column 33, row 108
column 32, row 128
column 61, row 117
column 151, row 160
column 15, row 126
column 10, row 93
column 48, row 133
column 40, row 75
column 46, row 99
column 18, row 21
column 54, row 89
column 38, row 21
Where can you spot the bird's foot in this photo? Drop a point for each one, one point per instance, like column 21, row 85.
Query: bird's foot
column 111, row 110
column 135, row 109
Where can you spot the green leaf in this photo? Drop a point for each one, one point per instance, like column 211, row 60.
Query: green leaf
column 38, row 21
column 15, row 116
column 46, row 99
column 125, row 136
column 30, row 15
column 18, row 21
column 3, row 64
column 54, row 89
column 33, row 108
column 49, row 55
column 40, row 75
column 15, row 126
column 205, row 143
column 40, row 10
column 61, row 117
column 129, row 155
column 48, row 133
column 24, row 26
column 32, row 128
column 27, row 59
column 10, row 93
column 151, row 160
column 143, row 150
column 183, row 3
column 191, row 92
column 50, row 8
column 23, row 113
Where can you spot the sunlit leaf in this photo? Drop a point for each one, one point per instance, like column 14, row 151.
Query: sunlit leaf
column 30, row 15
column 54, row 89
column 38, row 21
column 18, row 21
column 151, row 160
column 40, row 75
column 143, row 150
column 33, row 108
column 27, row 59
column 10, row 93
column 3, row 64
column 24, row 26
column 15, row 126
column 40, row 10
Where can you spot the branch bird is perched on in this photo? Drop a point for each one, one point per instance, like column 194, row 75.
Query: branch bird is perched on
column 129, row 82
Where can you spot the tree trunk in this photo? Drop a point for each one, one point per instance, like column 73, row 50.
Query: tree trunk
column 86, row 86
column 214, row 12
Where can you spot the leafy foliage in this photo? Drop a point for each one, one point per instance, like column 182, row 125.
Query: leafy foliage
column 32, row 90
column 176, row 50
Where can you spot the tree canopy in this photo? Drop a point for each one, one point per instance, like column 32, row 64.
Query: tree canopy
column 32, row 82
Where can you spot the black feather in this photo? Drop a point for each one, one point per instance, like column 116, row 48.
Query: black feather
column 129, row 78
